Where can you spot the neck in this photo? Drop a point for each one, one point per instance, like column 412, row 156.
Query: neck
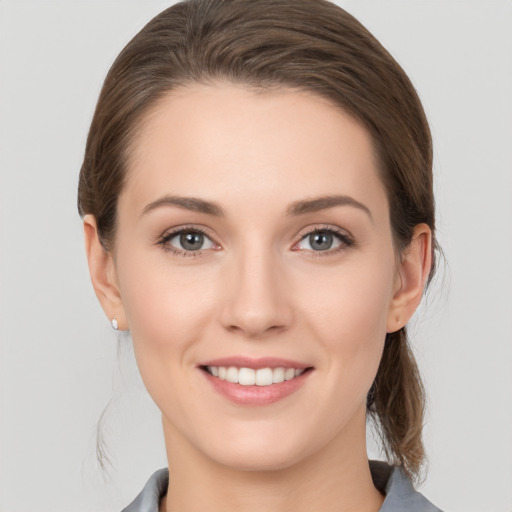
column 336, row 479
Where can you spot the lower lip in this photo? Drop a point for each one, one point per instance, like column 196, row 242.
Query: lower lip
column 256, row 395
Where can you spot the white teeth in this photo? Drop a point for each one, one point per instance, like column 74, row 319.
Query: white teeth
column 289, row 373
column 251, row 377
column 232, row 375
column 264, row 377
column 278, row 375
column 247, row 377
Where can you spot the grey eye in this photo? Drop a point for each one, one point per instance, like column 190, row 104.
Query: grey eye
column 321, row 241
column 190, row 241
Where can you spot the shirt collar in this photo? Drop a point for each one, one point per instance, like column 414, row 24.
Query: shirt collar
column 389, row 480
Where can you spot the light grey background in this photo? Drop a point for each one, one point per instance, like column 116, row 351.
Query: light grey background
column 58, row 357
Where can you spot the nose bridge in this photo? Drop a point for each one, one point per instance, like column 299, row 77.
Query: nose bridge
column 257, row 301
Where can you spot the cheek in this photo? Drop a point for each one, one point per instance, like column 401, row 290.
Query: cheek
column 167, row 310
column 347, row 309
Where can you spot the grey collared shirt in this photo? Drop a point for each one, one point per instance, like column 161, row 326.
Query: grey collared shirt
column 391, row 481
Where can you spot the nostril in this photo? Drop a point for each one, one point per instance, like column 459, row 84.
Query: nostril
column 254, row 330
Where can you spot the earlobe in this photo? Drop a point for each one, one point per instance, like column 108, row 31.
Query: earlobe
column 103, row 274
column 413, row 272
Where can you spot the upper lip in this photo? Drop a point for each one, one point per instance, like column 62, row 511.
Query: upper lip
column 255, row 363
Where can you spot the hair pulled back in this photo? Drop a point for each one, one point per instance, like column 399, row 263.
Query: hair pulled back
column 310, row 45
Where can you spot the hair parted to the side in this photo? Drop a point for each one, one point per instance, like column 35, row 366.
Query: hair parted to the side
column 310, row 45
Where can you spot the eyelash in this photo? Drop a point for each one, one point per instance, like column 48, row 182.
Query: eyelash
column 167, row 237
column 345, row 240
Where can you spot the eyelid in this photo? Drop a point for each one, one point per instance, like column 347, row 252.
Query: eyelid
column 171, row 233
column 345, row 238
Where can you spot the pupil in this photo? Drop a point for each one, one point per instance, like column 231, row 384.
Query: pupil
column 191, row 241
column 321, row 241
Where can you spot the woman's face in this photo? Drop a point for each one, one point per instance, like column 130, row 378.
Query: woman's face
column 254, row 244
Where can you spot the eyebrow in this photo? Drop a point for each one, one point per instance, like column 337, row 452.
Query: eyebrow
column 188, row 203
column 325, row 202
column 297, row 208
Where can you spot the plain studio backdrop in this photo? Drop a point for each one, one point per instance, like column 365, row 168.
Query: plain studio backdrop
column 61, row 364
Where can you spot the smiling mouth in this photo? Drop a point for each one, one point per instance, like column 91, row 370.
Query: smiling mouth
column 251, row 377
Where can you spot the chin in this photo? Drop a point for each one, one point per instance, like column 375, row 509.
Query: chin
column 259, row 462
column 263, row 455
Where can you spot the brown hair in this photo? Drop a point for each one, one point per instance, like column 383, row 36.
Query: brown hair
column 311, row 45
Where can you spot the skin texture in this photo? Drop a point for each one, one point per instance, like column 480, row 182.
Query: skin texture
column 258, row 289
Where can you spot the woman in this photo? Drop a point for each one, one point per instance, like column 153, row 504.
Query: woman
column 258, row 214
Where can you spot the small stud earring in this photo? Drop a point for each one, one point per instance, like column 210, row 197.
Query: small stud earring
column 115, row 326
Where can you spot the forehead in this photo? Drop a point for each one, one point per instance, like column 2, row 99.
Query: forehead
column 228, row 140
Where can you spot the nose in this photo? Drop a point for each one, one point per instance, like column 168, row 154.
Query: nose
column 257, row 297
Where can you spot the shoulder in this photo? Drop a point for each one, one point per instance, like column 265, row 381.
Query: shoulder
column 398, row 489
column 149, row 498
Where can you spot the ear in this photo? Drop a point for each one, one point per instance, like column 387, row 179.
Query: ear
column 103, row 274
column 413, row 271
